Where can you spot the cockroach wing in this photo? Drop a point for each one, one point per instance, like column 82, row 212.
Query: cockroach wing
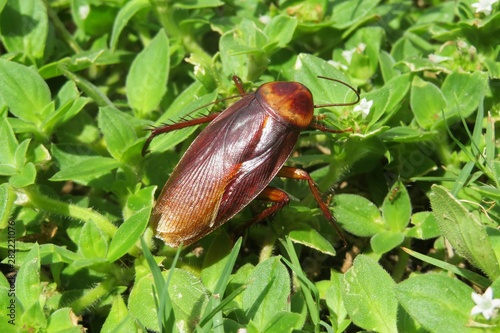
column 230, row 162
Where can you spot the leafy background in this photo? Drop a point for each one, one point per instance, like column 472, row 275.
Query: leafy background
column 415, row 184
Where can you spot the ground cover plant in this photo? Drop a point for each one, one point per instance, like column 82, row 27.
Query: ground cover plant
column 414, row 184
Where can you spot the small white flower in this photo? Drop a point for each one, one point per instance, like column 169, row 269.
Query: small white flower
column 347, row 54
column 265, row 19
column 337, row 65
column 485, row 304
column 84, row 11
column 364, row 106
column 437, row 58
column 484, row 6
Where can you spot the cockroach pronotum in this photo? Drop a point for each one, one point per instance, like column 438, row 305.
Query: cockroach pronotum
column 233, row 160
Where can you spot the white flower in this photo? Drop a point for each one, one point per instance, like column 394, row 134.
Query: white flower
column 484, row 6
column 364, row 106
column 485, row 304
column 337, row 64
column 347, row 54
column 84, row 11
column 265, row 19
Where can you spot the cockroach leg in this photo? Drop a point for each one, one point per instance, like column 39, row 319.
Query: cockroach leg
column 173, row 127
column 239, row 85
column 279, row 199
column 294, row 173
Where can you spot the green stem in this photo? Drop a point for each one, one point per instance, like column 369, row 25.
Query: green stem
column 61, row 28
column 400, row 267
column 89, row 298
column 72, row 211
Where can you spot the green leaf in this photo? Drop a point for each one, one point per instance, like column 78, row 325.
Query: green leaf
column 357, row 215
column 425, row 226
column 8, row 143
column 280, row 31
column 368, row 293
column 387, row 66
column 25, row 177
column 268, row 289
column 347, row 14
column 188, row 297
column 463, row 92
column 385, row 241
column 129, row 232
column 24, row 27
column 438, row 302
column 195, row 4
column 87, row 170
column 118, row 320
column 28, row 286
column 216, row 258
column 123, row 17
column 312, row 238
column 24, row 91
column 117, row 131
column 147, row 79
column 396, row 208
column 464, row 231
column 7, row 197
column 427, row 102
column 63, row 321
column 92, row 242
column 283, row 322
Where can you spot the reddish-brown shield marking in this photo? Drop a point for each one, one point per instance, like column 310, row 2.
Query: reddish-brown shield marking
column 233, row 160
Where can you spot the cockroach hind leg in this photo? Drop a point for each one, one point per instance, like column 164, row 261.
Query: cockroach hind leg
column 279, row 200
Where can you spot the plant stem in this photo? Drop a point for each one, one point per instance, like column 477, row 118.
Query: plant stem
column 50, row 205
column 103, row 289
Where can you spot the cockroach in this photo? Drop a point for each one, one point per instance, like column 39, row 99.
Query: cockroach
column 233, row 160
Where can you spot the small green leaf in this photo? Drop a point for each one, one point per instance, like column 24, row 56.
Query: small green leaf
column 368, row 293
column 463, row 92
column 280, row 30
column 438, row 302
column 283, row 322
column 8, row 144
column 87, row 170
column 118, row 320
column 28, row 36
column 464, row 231
column 129, row 232
column 147, row 80
column 347, row 14
column 385, row 241
column 357, row 215
column 268, row 289
column 28, row 286
column 425, row 226
column 92, row 242
column 117, row 131
column 25, row 177
column 123, row 17
column 7, row 197
column 215, row 260
column 63, row 320
column 312, row 238
column 188, row 297
column 427, row 102
column 396, row 208
column 23, row 90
